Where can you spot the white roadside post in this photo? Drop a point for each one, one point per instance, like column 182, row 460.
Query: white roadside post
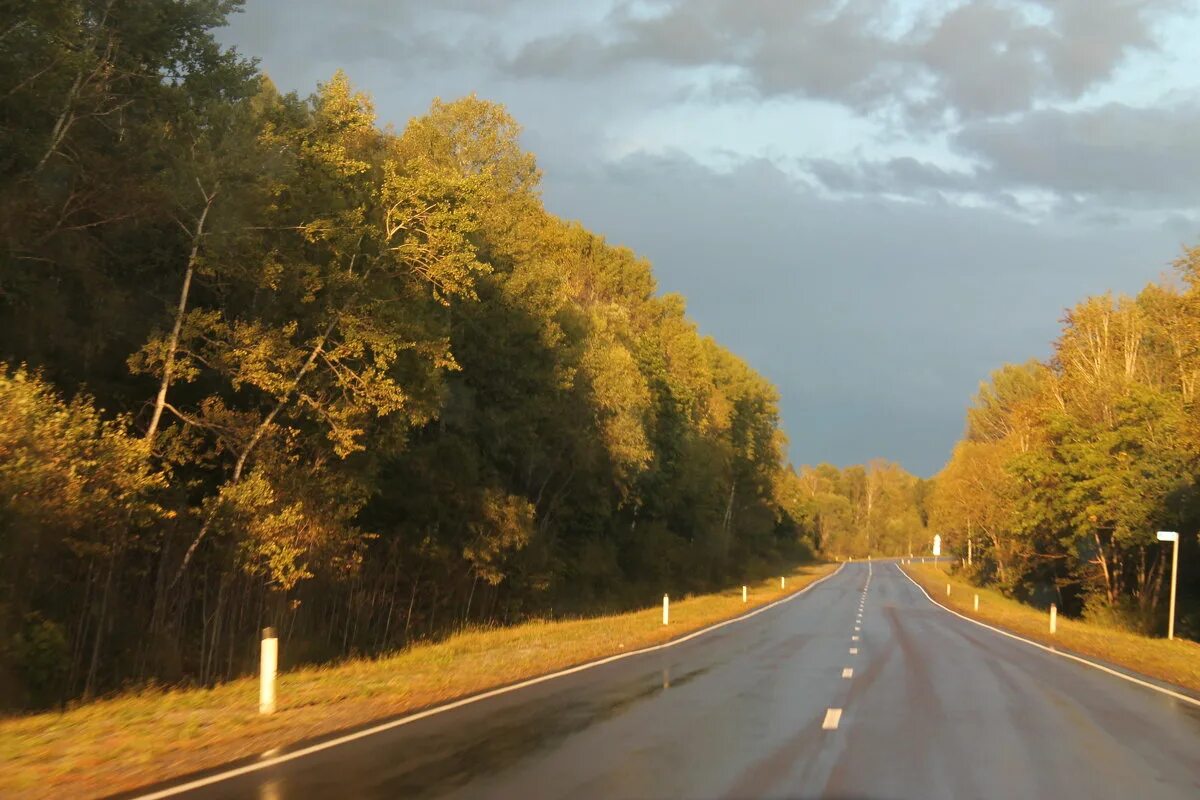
column 976, row 602
column 783, row 583
column 268, row 664
column 666, row 610
column 1173, row 537
column 743, row 593
column 1053, row 618
column 947, row 590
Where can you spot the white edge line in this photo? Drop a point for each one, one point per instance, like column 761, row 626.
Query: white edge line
column 1040, row 646
column 171, row 791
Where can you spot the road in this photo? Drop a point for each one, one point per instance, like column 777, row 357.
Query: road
column 922, row 704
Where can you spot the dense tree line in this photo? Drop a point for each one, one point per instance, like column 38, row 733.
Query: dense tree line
column 860, row 511
column 1069, row 468
column 266, row 362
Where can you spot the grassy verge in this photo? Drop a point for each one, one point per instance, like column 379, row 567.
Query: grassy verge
column 131, row 740
column 1176, row 661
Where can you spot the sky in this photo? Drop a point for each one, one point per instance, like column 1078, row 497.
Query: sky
column 874, row 202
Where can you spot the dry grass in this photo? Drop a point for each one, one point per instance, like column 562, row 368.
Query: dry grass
column 1176, row 661
column 132, row 740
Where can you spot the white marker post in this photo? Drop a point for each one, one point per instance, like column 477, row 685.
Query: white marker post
column 976, row 602
column 743, row 593
column 268, row 664
column 666, row 610
column 1053, row 618
column 783, row 583
column 1172, row 536
column 947, row 590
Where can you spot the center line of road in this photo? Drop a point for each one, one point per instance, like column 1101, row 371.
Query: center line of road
column 854, row 638
column 848, row 672
column 832, row 717
column 853, row 651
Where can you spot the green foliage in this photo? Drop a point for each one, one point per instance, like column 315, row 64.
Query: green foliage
column 360, row 384
column 876, row 510
column 1070, row 467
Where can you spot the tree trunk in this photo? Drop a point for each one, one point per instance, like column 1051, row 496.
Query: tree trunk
column 90, row 683
column 180, row 311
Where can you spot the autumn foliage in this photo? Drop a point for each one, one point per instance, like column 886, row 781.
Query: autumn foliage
column 270, row 363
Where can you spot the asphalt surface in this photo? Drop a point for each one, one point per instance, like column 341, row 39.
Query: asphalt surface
column 935, row 707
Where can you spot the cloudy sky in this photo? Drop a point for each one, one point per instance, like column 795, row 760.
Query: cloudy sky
column 875, row 202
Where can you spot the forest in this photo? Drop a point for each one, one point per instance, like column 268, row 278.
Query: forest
column 264, row 361
column 1069, row 467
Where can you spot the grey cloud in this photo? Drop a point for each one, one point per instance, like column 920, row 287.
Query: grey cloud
column 1116, row 153
column 904, row 175
column 1099, row 163
column 980, row 58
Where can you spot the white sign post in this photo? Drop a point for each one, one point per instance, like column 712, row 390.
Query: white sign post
column 268, row 664
column 937, row 544
column 1172, row 536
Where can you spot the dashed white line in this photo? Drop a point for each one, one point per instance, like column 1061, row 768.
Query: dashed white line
column 853, row 651
column 854, row 638
column 832, row 717
column 848, row 672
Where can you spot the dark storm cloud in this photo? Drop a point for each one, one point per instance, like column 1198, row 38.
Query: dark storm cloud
column 977, row 59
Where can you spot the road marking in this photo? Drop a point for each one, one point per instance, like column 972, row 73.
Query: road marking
column 853, row 651
column 848, row 672
column 171, row 791
column 1193, row 701
column 854, row 638
column 858, row 627
column 832, row 717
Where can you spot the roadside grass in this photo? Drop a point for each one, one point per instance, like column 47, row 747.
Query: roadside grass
column 135, row 739
column 1174, row 661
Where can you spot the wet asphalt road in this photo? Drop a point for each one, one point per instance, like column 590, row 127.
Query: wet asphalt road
column 936, row 707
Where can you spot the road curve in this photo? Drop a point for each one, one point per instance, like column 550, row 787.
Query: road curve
column 788, row 704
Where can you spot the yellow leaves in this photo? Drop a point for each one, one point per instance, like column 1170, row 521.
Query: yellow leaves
column 62, row 465
column 429, row 214
column 345, row 122
column 506, row 525
column 289, row 518
column 621, row 399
